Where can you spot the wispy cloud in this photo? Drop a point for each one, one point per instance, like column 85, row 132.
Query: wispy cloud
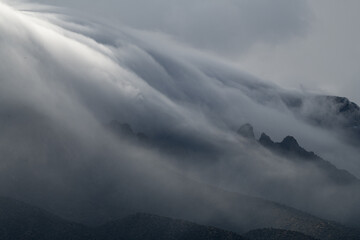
column 63, row 79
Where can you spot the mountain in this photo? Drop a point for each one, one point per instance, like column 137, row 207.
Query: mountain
column 22, row 221
column 62, row 78
column 346, row 114
column 105, row 185
column 173, row 143
column 247, row 131
column 335, row 113
column 275, row 234
column 151, row 227
column 290, row 148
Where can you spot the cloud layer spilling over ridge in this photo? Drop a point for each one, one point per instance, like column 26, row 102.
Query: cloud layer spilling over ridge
column 228, row 26
column 65, row 77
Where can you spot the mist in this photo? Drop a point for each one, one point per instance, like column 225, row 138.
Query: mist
column 64, row 79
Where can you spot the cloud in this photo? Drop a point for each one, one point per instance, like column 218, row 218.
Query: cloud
column 323, row 61
column 63, row 79
column 224, row 27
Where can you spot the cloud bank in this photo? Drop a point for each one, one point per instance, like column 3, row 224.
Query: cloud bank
column 224, row 27
column 63, row 79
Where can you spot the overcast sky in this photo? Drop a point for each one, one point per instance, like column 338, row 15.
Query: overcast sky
column 311, row 45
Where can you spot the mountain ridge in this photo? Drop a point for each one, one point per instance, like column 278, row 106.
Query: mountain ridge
column 19, row 220
column 290, row 148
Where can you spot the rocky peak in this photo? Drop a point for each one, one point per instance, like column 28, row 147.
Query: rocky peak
column 265, row 140
column 246, row 131
column 290, row 148
column 290, row 142
column 345, row 105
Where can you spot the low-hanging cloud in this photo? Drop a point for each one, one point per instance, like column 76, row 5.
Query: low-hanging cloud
column 228, row 27
column 62, row 80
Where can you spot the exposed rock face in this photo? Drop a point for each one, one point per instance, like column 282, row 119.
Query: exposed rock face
column 266, row 141
column 290, row 142
column 290, row 148
column 350, row 113
column 336, row 113
column 178, row 144
column 341, row 111
column 290, row 145
column 247, row 131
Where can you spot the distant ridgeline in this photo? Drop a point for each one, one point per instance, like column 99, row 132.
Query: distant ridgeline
column 331, row 112
column 290, row 149
column 179, row 144
column 21, row 221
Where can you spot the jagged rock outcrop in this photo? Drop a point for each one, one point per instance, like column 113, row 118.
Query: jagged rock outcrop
column 338, row 114
column 266, row 141
column 247, row 131
column 290, row 148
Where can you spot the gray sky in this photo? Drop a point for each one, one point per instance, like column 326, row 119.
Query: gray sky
column 297, row 44
column 326, row 59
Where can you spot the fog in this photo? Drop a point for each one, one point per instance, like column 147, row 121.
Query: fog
column 247, row 22
column 64, row 79
column 298, row 44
